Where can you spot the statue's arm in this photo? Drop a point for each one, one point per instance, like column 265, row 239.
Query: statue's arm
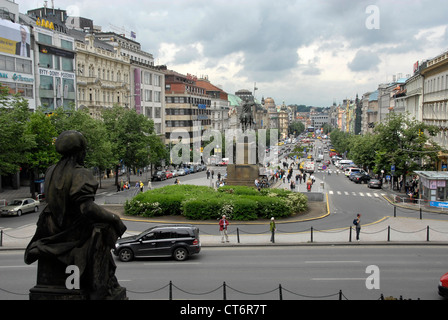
column 101, row 215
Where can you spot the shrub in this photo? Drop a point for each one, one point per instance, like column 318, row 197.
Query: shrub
column 204, row 203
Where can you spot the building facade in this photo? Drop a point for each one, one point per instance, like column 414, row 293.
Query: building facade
column 435, row 101
column 188, row 108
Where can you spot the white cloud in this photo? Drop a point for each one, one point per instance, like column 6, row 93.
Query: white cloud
column 304, row 52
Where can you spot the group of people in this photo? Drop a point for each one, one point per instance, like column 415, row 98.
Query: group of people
column 224, row 223
column 126, row 186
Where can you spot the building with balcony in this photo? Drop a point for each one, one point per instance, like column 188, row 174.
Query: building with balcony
column 435, row 101
column 188, row 107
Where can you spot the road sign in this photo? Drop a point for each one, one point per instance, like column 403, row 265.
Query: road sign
column 324, row 167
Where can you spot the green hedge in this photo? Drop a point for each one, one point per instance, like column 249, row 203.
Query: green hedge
column 204, row 203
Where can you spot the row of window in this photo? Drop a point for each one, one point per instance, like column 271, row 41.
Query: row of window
column 437, row 83
column 25, row 90
column 14, row 64
column 190, row 100
column 186, row 112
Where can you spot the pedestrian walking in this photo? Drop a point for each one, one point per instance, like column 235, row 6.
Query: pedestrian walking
column 208, row 173
column 223, row 224
column 141, row 186
column 213, row 173
column 357, row 223
column 273, row 229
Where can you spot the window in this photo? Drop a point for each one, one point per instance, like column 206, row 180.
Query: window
column 157, row 113
column 44, row 38
column 164, row 234
column 7, row 63
column 157, row 96
column 23, row 66
column 149, row 236
column 67, row 64
column 66, row 44
column 45, row 60
column 148, row 78
column 157, row 80
column 46, row 82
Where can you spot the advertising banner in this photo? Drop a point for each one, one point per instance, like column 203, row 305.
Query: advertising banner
column 14, row 39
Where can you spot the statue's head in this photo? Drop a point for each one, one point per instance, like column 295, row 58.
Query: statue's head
column 71, row 143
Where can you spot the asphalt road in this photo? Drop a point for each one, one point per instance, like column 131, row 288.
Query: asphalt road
column 305, row 273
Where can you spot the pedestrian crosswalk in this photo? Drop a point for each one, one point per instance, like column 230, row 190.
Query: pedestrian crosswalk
column 357, row 194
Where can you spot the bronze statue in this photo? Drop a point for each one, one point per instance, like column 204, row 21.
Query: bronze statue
column 246, row 117
column 74, row 231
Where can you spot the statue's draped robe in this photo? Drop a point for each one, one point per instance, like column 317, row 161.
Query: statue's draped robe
column 67, row 234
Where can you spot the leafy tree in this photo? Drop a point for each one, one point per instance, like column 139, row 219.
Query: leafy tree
column 296, row 128
column 363, row 150
column 134, row 142
column 15, row 143
column 99, row 148
column 404, row 143
column 42, row 152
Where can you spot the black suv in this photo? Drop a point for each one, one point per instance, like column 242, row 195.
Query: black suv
column 178, row 241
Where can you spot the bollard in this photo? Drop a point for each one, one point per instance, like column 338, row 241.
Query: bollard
column 238, row 235
column 395, row 211
column 388, row 233
column 171, row 291
column 420, row 213
column 280, row 292
column 311, row 234
column 427, row 233
column 1, row 238
column 340, row 295
column 350, row 234
column 224, row 293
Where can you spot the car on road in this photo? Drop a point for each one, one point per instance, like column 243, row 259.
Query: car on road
column 374, row 183
column 168, row 174
column 181, row 172
column 360, row 178
column 177, row 241
column 19, row 206
column 159, row 175
column 348, row 171
column 443, row 286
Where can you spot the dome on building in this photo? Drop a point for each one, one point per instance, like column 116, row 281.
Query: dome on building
column 269, row 101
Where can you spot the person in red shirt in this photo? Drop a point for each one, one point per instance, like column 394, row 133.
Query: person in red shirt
column 223, row 223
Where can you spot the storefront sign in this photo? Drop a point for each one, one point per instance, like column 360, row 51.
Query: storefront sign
column 56, row 73
column 438, row 204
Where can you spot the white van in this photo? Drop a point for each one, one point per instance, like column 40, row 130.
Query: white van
column 309, row 167
column 342, row 162
column 349, row 171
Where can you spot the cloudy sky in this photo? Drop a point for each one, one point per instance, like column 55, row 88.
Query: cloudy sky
column 312, row 52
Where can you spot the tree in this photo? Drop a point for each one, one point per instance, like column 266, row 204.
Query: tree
column 404, row 143
column 99, row 147
column 132, row 137
column 363, row 150
column 15, row 143
column 42, row 152
column 296, row 128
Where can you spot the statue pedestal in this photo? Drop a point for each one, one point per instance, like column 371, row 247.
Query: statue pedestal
column 245, row 171
column 50, row 285
column 242, row 174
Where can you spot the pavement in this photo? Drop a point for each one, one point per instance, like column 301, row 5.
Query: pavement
column 386, row 231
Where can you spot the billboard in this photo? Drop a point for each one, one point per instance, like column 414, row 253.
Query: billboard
column 14, row 38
